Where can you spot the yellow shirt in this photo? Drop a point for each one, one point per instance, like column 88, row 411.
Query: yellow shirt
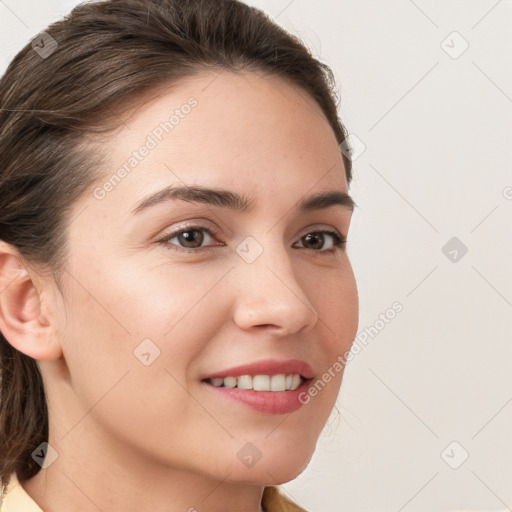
column 17, row 500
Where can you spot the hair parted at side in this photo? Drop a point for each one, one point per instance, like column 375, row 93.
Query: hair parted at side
column 108, row 53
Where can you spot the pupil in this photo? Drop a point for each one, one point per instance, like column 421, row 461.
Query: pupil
column 187, row 238
column 319, row 238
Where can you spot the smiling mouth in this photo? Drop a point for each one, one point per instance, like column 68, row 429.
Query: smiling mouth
column 280, row 382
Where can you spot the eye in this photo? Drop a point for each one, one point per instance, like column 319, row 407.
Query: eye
column 318, row 239
column 191, row 238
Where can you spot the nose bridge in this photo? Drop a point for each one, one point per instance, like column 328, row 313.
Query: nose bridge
column 270, row 293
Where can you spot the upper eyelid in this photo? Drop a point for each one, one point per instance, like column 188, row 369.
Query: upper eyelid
column 215, row 231
column 186, row 227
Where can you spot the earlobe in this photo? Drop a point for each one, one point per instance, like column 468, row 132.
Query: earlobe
column 22, row 321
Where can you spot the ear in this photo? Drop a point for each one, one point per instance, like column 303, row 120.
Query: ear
column 23, row 322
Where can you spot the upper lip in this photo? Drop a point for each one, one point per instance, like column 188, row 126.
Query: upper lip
column 267, row 367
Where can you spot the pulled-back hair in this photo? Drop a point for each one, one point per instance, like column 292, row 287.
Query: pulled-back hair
column 67, row 83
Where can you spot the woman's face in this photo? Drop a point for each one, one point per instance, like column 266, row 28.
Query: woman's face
column 148, row 315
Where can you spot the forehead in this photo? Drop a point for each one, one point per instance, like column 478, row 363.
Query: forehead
column 232, row 130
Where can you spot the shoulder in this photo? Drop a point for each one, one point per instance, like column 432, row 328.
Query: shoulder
column 15, row 499
column 274, row 501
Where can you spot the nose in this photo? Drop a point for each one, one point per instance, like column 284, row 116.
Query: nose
column 271, row 296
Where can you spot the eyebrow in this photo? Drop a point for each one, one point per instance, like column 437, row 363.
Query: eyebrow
column 239, row 203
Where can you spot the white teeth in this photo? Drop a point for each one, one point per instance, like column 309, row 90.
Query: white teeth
column 261, row 383
column 244, row 382
column 295, row 382
column 279, row 382
column 229, row 382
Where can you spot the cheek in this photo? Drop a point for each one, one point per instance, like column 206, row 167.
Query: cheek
column 335, row 298
column 113, row 386
column 128, row 317
column 162, row 297
column 337, row 304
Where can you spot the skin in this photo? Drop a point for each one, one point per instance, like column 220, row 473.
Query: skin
column 133, row 437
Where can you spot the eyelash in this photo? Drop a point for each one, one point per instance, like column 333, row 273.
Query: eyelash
column 339, row 241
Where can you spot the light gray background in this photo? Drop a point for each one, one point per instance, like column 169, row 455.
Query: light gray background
column 436, row 164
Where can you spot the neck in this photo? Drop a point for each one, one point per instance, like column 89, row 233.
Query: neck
column 112, row 479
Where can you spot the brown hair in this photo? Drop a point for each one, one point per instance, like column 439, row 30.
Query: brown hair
column 94, row 62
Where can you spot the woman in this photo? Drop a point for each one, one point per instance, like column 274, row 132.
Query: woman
column 176, row 291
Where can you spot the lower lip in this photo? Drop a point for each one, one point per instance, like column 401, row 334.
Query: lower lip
column 266, row 402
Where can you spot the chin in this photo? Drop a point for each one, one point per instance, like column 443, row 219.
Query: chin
column 273, row 469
